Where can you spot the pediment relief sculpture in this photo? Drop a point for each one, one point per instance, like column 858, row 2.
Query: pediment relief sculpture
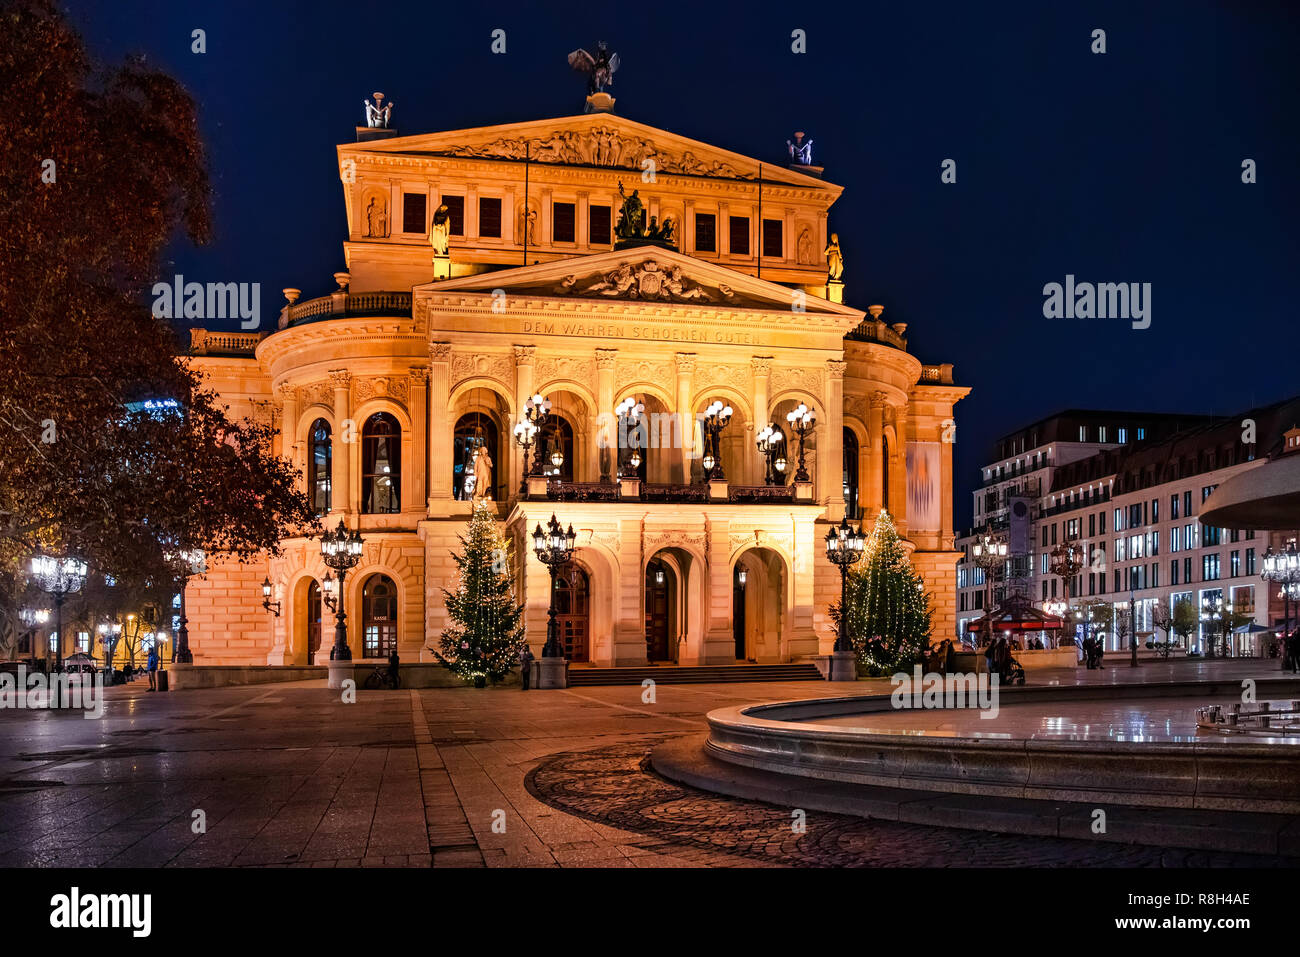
column 646, row 281
column 598, row 146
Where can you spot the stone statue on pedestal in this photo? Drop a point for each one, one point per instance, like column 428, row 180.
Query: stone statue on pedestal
column 599, row 68
column 440, row 231
column 482, row 473
column 834, row 259
column 378, row 115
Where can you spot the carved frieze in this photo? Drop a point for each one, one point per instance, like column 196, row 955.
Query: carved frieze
column 662, row 374
column 786, row 378
column 598, row 146
column 381, row 386
column 575, row 368
column 647, row 281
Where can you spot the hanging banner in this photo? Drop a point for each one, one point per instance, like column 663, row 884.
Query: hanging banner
column 923, row 491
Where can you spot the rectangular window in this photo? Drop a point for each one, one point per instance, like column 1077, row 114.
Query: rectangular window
column 456, row 212
column 489, row 217
column 1173, row 506
column 1175, row 538
column 598, row 226
column 1101, row 433
column 1092, row 525
column 1173, row 572
column 1101, row 523
column 739, row 235
column 1155, row 510
column 1083, row 433
column 1189, row 536
column 1122, row 435
column 706, row 233
column 1209, row 535
column 1250, row 561
column 1210, row 568
column 1053, row 533
column 564, row 223
column 1234, row 564
column 1187, row 503
column 1205, row 492
column 1119, row 520
column 772, row 230
column 1187, row 570
column 1044, row 536
column 414, row 208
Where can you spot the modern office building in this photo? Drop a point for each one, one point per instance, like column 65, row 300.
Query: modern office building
column 1126, row 488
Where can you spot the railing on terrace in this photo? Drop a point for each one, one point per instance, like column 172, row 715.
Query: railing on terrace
column 378, row 303
column 204, row 342
column 665, row 493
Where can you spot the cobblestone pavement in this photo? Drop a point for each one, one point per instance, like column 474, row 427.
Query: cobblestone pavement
column 614, row 784
column 289, row 775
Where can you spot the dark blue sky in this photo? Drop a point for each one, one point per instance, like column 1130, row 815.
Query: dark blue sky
column 1122, row 167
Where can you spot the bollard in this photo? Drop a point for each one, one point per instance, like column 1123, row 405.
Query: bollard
column 1263, row 714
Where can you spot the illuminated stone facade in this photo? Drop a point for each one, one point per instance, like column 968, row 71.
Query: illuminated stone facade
column 407, row 372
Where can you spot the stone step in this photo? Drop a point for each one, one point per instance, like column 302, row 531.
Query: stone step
column 696, row 674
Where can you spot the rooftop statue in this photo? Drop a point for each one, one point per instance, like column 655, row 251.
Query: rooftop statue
column 378, row 115
column 800, row 150
column 631, row 217
column 834, row 259
column 599, row 68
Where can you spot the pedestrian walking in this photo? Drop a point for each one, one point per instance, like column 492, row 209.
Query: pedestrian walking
column 151, row 665
column 525, row 666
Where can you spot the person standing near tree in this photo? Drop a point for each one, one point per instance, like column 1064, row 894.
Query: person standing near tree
column 525, row 665
column 151, row 665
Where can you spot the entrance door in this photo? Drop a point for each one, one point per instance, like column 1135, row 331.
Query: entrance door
column 572, row 612
column 657, row 645
column 738, row 617
column 379, row 617
column 313, row 621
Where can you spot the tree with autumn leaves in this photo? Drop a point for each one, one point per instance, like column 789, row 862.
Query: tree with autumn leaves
column 100, row 170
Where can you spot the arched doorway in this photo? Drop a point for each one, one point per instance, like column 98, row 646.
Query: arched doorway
column 473, row 431
column 573, row 612
column 759, row 614
column 313, row 621
column 661, row 590
column 378, row 617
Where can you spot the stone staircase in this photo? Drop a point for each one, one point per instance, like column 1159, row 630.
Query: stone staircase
column 697, row 674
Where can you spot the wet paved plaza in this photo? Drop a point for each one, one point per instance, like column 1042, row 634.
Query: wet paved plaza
column 288, row 775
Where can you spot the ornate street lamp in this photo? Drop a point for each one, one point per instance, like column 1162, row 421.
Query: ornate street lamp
column 989, row 553
column 629, row 413
column 1217, row 612
column 536, row 409
column 341, row 551
column 58, row 578
column 525, row 436
column 266, row 598
column 771, row 444
column 1284, row 568
column 716, row 417
column 557, row 458
column 554, row 547
column 844, row 547
column 802, row 419
column 191, row 561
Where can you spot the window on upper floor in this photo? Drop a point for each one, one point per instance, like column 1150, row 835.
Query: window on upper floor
column 381, row 465
column 772, row 234
column 598, row 230
column 489, row 217
column 563, row 223
column 455, row 214
column 706, row 233
column 321, row 467
column 739, row 236
column 414, row 212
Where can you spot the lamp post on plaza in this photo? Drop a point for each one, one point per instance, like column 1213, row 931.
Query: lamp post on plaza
column 771, row 444
column 1066, row 562
column 716, row 417
column 1216, row 612
column 844, row 547
column 1058, row 609
column 1284, row 568
column 341, row 550
column 554, row 547
column 192, row 562
column 989, row 553
column 58, row 578
column 803, row 420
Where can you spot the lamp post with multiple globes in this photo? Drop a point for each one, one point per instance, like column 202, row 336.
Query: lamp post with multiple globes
column 844, row 547
column 989, row 553
column 803, row 420
column 771, row 445
column 629, row 413
column 341, row 550
column 716, row 417
column 553, row 547
column 1283, row 567
column 58, row 578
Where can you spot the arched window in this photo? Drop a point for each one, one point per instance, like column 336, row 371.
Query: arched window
column 320, row 467
column 378, row 617
column 473, row 431
column 884, row 474
column 850, row 474
column 381, row 465
column 558, row 435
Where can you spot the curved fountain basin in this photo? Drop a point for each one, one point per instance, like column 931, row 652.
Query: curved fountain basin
column 808, row 738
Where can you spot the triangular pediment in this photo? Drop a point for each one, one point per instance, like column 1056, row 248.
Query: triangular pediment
column 650, row 275
column 601, row 140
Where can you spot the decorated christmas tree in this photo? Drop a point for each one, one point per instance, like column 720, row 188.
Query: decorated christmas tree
column 888, row 608
column 486, row 633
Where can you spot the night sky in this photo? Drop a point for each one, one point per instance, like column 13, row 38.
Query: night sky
column 1122, row 167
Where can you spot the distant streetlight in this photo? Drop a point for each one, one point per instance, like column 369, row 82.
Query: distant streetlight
column 58, row 578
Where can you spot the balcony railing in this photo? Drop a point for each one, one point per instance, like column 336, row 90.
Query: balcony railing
column 204, row 342
column 378, row 303
column 665, row 493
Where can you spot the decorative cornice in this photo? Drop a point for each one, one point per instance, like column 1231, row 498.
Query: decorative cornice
column 685, row 361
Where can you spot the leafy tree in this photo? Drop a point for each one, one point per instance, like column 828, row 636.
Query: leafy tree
column 887, row 606
column 486, row 633
column 1163, row 619
column 1185, row 620
column 101, row 169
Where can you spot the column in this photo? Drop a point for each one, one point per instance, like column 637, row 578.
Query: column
column 870, row 481
column 346, row 438
column 685, row 416
column 289, row 424
column 762, row 366
column 438, row 447
column 415, row 495
column 525, row 357
column 834, row 467
column 607, row 458
column 898, row 470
